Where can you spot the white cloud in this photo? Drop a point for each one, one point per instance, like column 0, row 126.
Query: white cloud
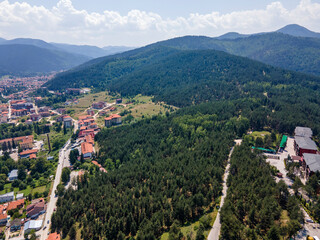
column 64, row 23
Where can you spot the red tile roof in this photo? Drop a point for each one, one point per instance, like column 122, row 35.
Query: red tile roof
column 86, row 148
column 15, row 204
column 32, row 151
column 113, row 116
column 3, row 216
column 54, row 236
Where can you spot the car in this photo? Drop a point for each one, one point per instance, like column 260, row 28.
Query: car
column 309, row 220
column 48, row 222
column 44, row 227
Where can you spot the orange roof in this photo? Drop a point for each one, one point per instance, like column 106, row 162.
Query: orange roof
column 54, row 236
column 112, row 117
column 88, row 138
column 32, row 151
column 15, row 204
column 86, row 148
column 32, row 156
column 83, row 128
column 3, row 216
column 84, row 117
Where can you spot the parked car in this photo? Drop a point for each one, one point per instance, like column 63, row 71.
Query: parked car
column 309, row 220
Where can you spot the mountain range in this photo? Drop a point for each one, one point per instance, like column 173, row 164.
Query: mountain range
column 128, row 70
column 25, row 56
column 292, row 47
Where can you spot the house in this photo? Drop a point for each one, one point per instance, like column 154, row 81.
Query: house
column 15, row 204
column 100, row 167
column 32, row 225
column 13, row 175
column 45, row 114
column 19, row 196
column 27, row 153
column 19, row 112
column 87, row 150
column 88, row 138
column 114, row 119
column 119, row 100
column 3, row 218
column 303, row 132
column 98, row 105
column 7, row 197
column 44, row 109
column 27, row 143
column 35, row 117
column 304, row 145
column 90, row 112
column 36, row 209
column 311, row 163
column 27, row 140
column 15, row 225
column 54, row 236
column 67, row 121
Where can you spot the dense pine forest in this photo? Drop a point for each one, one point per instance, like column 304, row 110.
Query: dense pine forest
column 256, row 207
column 169, row 168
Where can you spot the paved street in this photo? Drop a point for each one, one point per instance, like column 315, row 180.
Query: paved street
column 63, row 158
column 215, row 231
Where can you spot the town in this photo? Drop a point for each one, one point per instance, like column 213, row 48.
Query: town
column 27, row 205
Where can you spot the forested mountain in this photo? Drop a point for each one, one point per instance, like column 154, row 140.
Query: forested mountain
column 19, row 59
column 298, row 31
column 29, row 41
column 90, row 51
column 277, row 49
column 168, row 169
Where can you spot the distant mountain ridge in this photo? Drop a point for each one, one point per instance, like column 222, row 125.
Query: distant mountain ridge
column 20, row 59
column 298, row 31
column 57, row 56
column 85, row 50
column 291, row 29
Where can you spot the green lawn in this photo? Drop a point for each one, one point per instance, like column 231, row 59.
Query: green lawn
column 191, row 228
column 261, row 134
column 26, row 192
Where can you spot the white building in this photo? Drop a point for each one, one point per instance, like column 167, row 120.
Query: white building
column 7, row 197
column 32, row 225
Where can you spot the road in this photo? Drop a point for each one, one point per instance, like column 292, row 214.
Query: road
column 215, row 231
column 51, row 205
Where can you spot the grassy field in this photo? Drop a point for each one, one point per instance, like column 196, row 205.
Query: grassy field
column 26, row 192
column 86, row 102
column 261, row 134
column 191, row 228
column 138, row 107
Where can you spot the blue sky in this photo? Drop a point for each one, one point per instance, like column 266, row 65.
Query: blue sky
column 140, row 22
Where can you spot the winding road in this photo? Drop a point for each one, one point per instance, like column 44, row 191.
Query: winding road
column 215, row 231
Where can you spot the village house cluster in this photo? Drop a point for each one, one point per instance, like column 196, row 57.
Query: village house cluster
column 33, row 211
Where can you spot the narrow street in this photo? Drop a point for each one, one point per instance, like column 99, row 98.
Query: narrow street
column 215, row 231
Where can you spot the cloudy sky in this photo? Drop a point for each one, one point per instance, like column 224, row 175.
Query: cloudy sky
column 140, row 22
